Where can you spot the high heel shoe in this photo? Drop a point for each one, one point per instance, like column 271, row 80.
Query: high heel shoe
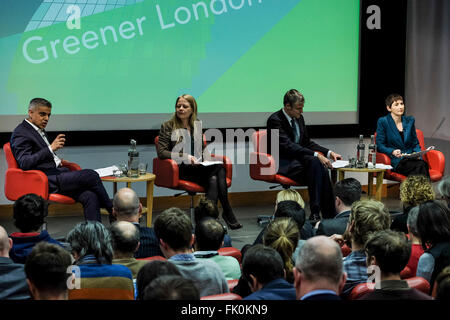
column 232, row 226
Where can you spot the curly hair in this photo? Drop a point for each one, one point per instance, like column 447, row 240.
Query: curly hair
column 415, row 190
column 282, row 234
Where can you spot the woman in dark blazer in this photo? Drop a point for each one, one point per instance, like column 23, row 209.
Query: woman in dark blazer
column 396, row 136
column 181, row 139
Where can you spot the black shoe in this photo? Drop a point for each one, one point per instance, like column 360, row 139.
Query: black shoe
column 232, row 226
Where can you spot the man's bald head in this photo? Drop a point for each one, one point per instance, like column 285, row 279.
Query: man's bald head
column 125, row 238
column 126, row 204
column 320, row 258
column 5, row 243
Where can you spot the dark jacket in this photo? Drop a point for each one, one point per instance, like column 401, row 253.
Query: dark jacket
column 13, row 281
column 23, row 245
column 337, row 225
column 278, row 289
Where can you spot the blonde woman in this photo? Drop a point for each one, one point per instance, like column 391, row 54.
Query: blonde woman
column 181, row 139
column 290, row 194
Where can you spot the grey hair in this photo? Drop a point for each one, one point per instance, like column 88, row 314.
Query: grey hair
column 320, row 260
column 126, row 202
column 444, row 187
column 91, row 238
column 36, row 102
column 412, row 220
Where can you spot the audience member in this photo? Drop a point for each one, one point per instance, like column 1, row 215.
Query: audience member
column 171, row 288
column 390, row 251
column 209, row 234
column 444, row 189
column 433, row 226
column 13, row 283
column 93, row 253
column 173, row 228
column 208, row 208
column 416, row 243
column 414, row 190
column 30, row 211
column 46, row 270
column 443, row 285
column 152, row 270
column 346, row 192
column 282, row 234
column 126, row 207
column 318, row 272
column 125, row 242
column 263, row 268
column 366, row 217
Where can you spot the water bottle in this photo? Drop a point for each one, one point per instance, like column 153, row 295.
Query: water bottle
column 360, row 148
column 372, row 153
column 133, row 160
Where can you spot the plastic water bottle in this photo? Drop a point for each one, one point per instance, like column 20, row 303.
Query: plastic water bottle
column 133, row 160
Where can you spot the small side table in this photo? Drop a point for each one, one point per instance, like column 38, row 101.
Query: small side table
column 149, row 178
column 371, row 172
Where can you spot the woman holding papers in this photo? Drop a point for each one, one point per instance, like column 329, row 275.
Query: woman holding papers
column 181, row 139
column 396, row 137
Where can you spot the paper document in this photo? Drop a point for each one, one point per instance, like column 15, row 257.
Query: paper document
column 108, row 171
column 383, row 166
column 417, row 154
column 210, row 163
column 340, row 164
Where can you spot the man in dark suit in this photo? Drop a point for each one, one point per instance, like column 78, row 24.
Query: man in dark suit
column 346, row 192
column 127, row 207
column 32, row 150
column 318, row 271
column 300, row 158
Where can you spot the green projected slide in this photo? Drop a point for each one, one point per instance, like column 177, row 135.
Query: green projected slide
column 94, row 57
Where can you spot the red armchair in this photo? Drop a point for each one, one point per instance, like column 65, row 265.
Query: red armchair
column 232, row 252
column 434, row 158
column 19, row 182
column 167, row 175
column 418, row 283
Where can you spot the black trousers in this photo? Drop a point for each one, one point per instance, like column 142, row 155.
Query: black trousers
column 411, row 166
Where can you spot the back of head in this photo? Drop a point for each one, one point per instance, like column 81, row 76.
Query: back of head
column 444, row 188
column 348, row 190
column 30, row 211
column 264, row 263
column 412, row 221
column 368, row 216
column 91, row 238
column 152, row 270
column 125, row 237
column 282, row 234
column 174, row 227
column 171, row 288
column 290, row 194
column 391, row 250
column 443, row 285
column 205, row 208
column 415, row 190
column 209, row 234
column 126, row 203
column 433, row 223
column 291, row 209
column 4, row 242
column 46, row 268
column 320, row 258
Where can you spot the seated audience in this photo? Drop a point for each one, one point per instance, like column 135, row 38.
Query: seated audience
column 433, row 225
column 173, row 228
column 414, row 190
column 207, row 208
column 13, row 281
column 93, row 253
column 443, row 285
column 171, row 288
column 390, row 251
column 30, row 211
column 125, row 242
column 444, row 189
column 416, row 243
column 209, row 235
column 263, row 268
column 346, row 192
column 126, row 207
column 46, row 270
column 152, row 270
column 282, row 234
column 366, row 217
column 318, row 272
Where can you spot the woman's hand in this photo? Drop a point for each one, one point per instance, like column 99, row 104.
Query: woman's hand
column 397, row 153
